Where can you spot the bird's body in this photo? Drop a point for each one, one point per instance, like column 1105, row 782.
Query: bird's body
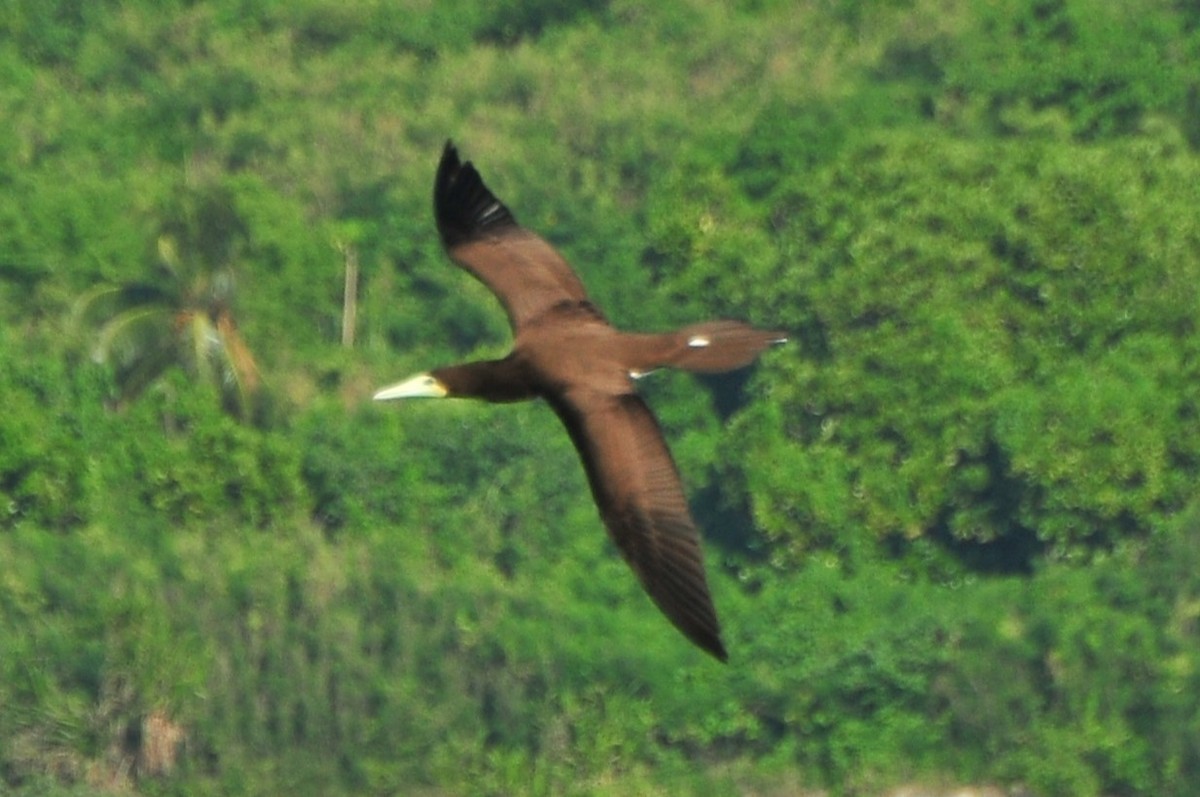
column 565, row 352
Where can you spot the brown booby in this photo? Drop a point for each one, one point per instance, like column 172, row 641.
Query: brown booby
column 565, row 352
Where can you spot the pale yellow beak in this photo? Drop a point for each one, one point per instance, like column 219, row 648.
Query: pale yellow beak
column 419, row 386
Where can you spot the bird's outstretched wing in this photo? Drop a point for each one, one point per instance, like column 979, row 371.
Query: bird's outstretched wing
column 527, row 274
column 640, row 497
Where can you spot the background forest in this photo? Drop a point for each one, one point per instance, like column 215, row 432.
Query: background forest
column 952, row 527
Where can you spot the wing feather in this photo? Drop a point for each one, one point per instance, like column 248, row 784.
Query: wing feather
column 640, row 497
column 526, row 273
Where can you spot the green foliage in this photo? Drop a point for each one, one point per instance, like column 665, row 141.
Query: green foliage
column 1108, row 66
column 196, row 464
column 947, row 523
column 46, row 442
column 1053, row 705
column 983, row 365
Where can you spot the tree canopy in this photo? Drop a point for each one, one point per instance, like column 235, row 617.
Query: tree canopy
column 952, row 526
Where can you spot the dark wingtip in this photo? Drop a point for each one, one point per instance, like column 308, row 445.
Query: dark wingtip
column 707, row 639
column 462, row 204
column 718, row 651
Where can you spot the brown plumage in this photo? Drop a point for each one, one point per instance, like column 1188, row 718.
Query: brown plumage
column 565, row 352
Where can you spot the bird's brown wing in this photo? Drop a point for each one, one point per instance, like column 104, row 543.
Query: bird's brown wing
column 527, row 274
column 640, row 497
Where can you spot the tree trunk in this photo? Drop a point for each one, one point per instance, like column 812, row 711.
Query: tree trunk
column 350, row 296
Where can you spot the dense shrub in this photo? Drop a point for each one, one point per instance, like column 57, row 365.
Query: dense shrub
column 945, row 525
column 992, row 346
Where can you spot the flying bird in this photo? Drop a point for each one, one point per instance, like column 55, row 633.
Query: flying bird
column 566, row 353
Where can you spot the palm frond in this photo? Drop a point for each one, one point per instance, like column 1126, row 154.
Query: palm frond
column 136, row 329
column 104, row 300
column 181, row 316
column 202, row 342
column 241, row 375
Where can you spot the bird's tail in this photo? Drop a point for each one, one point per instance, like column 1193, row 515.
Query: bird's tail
column 709, row 347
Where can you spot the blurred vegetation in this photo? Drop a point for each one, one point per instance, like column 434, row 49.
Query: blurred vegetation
column 952, row 527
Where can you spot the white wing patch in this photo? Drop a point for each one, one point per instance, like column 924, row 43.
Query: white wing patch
column 699, row 341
